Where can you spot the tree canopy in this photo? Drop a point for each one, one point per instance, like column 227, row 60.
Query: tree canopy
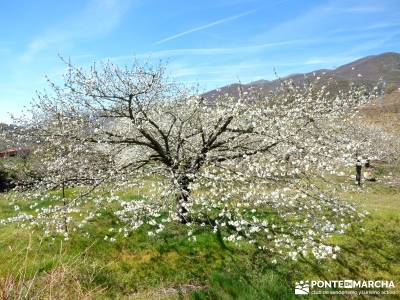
column 251, row 168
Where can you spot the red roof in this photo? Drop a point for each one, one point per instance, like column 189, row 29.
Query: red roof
column 17, row 150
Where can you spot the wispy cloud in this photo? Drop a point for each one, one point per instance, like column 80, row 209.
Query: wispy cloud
column 329, row 60
column 364, row 9
column 323, row 18
column 99, row 18
column 374, row 43
column 206, row 26
column 260, row 69
column 209, row 51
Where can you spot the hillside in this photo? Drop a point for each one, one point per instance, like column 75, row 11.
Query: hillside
column 368, row 70
column 385, row 112
column 5, row 131
column 4, row 128
column 372, row 68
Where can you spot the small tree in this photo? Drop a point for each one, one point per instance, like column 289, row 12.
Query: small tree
column 59, row 163
column 371, row 142
column 243, row 167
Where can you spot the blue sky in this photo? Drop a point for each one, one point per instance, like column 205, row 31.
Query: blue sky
column 210, row 42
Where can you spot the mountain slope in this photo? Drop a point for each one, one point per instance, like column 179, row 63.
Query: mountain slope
column 372, row 68
column 368, row 70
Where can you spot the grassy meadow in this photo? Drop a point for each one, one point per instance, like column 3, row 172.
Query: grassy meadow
column 169, row 266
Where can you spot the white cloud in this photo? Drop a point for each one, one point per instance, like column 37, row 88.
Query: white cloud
column 364, row 9
column 206, row 26
column 331, row 60
column 208, row 51
column 323, row 18
column 99, row 18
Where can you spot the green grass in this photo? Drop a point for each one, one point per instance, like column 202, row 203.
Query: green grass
column 171, row 267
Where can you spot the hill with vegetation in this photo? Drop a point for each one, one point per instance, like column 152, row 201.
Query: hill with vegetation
column 371, row 70
column 384, row 112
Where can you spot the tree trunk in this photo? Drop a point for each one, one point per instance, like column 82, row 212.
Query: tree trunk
column 182, row 198
column 65, row 208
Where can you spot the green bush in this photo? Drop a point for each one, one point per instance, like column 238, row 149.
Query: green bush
column 390, row 88
column 6, row 179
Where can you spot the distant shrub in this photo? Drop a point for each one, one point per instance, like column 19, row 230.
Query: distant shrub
column 390, row 88
column 6, row 179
